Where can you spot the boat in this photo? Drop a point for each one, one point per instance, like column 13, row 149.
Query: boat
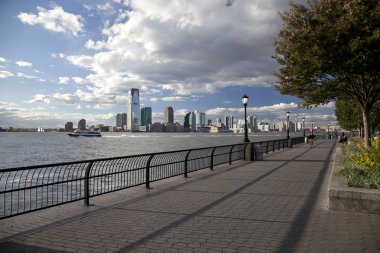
column 85, row 133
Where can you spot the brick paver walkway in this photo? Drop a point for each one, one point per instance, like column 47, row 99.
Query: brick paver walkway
column 275, row 205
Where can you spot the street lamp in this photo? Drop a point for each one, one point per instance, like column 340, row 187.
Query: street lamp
column 287, row 124
column 244, row 99
column 312, row 127
column 303, row 126
column 328, row 130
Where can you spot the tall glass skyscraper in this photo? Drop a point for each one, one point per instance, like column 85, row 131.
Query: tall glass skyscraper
column 169, row 115
column 146, row 116
column 133, row 121
column 121, row 120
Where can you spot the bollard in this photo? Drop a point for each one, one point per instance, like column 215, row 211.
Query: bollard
column 259, row 152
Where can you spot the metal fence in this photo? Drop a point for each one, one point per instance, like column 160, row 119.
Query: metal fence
column 33, row 188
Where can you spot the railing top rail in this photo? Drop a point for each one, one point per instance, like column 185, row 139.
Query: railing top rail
column 108, row 158
column 125, row 157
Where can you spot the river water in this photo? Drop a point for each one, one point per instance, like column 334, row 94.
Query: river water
column 25, row 149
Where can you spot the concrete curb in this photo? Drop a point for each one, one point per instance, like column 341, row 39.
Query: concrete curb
column 344, row 198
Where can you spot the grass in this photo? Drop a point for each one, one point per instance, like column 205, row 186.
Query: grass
column 362, row 166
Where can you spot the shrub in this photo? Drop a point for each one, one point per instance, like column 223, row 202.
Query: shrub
column 362, row 166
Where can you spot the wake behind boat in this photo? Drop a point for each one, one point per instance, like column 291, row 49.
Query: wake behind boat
column 85, row 133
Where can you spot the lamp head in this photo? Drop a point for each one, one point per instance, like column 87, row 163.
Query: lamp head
column 245, row 99
column 287, row 114
column 303, row 120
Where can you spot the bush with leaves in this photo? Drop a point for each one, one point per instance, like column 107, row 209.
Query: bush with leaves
column 362, row 166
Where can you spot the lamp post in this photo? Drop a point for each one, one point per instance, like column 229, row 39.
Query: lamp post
column 244, row 99
column 328, row 130
column 287, row 125
column 303, row 127
column 312, row 127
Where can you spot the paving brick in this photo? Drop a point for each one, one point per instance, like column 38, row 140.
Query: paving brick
column 275, row 205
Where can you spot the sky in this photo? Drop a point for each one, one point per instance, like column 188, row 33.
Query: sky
column 66, row 60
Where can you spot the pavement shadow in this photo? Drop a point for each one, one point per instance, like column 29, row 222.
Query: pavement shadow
column 293, row 236
column 170, row 226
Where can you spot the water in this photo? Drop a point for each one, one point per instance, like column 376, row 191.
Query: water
column 25, row 149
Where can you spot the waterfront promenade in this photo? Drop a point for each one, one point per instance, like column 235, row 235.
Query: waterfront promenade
column 275, row 205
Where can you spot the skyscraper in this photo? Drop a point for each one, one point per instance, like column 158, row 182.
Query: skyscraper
column 169, row 115
column 146, row 116
column 121, row 120
column 200, row 119
column 82, row 124
column 133, row 121
column 186, row 122
column 69, row 127
column 252, row 123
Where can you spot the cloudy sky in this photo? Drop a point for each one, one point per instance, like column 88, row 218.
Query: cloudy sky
column 66, row 60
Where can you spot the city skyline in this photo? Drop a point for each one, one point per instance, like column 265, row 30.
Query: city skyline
column 72, row 60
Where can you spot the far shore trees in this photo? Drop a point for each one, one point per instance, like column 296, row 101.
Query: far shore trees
column 330, row 49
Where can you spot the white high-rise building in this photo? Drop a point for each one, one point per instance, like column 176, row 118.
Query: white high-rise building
column 200, row 119
column 133, row 122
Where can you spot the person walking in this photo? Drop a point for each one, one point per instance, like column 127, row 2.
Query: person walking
column 311, row 140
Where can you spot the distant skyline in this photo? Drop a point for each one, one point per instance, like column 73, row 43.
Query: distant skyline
column 63, row 61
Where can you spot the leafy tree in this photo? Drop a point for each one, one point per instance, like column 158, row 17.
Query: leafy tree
column 331, row 48
column 348, row 114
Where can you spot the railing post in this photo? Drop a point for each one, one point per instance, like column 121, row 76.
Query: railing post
column 273, row 145
column 267, row 147
column 147, row 172
column 283, row 144
column 232, row 147
column 187, row 157
column 87, row 184
column 212, row 159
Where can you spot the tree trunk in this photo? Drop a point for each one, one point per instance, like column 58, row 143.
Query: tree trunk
column 366, row 128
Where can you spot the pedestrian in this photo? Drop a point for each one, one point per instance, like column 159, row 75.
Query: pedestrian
column 311, row 139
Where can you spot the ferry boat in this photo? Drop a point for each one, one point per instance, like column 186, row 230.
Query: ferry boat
column 85, row 133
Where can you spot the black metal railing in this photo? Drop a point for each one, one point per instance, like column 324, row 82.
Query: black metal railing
column 33, row 188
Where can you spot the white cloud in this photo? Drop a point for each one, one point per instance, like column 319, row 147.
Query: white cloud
column 63, row 79
column 24, row 64
column 5, row 74
column 98, row 45
column 276, row 112
column 2, row 59
column 15, row 115
column 56, row 20
column 172, row 99
column 78, row 80
column 56, row 98
column 26, row 76
column 84, row 61
column 185, row 47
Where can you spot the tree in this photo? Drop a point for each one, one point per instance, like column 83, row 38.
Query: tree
column 348, row 114
column 331, row 48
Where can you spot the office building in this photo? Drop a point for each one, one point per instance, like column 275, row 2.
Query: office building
column 82, row 124
column 200, row 119
column 121, row 120
column 69, row 127
column 133, row 119
column 169, row 115
column 229, row 121
column 186, row 122
column 252, row 123
column 146, row 116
